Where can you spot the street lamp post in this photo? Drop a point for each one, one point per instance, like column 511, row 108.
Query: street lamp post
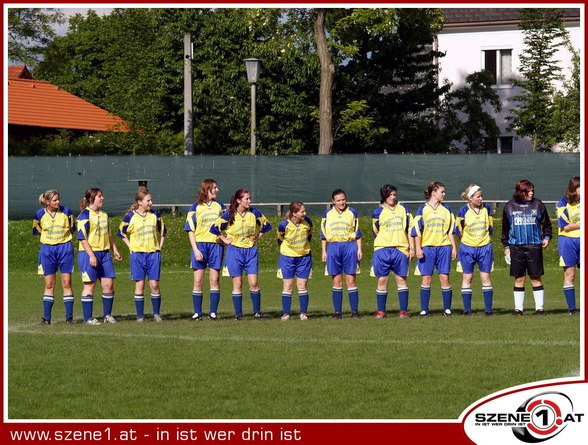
column 252, row 66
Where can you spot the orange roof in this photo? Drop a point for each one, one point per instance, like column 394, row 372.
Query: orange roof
column 39, row 103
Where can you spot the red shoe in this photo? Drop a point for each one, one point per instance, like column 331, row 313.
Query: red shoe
column 380, row 314
column 403, row 314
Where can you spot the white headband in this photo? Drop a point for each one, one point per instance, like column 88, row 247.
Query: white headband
column 473, row 190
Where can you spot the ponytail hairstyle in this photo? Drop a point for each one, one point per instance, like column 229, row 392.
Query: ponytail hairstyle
column 139, row 196
column 295, row 207
column 385, row 192
column 45, row 198
column 469, row 191
column 572, row 190
column 234, row 204
column 522, row 187
column 431, row 188
column 206, row 186
column 89, row 197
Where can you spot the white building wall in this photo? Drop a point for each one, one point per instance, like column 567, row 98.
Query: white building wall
column 464, row 55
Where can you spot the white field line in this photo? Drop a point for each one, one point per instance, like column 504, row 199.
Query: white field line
column 23, row 329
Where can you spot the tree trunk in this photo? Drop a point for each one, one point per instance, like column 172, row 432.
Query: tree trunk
column 325, row 94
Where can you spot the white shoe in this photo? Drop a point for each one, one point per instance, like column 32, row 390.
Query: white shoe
column 447, row 312
column 93, row 322
column 157, row 318
column 109, row 319
column 285, row 317
column 140, row 319
column 303, row 316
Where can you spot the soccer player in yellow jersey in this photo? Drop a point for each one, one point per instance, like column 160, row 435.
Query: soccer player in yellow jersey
column 207, row 250
column 54, row 224
column 568, row 221
column 340, row 230
column 434, row 245
column 94, row 259
column 393, row 248
column 294, row 235
column 143, row 231
column 475, row 227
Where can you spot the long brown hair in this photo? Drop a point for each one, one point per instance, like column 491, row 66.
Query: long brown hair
column 139, row 196
column 206, row 186
column 89, row 197
column 234, row 204
column 572, row 189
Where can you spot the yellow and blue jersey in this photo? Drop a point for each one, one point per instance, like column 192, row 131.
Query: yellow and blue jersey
column 201, row 217
column 144, row 232
column 474, row 227
column 93, row 227
column 244, row 227
column 294, row 239
column 56, row 229
column 433, row 225
column 568, row 213
column 340, row 226
column 391, row 227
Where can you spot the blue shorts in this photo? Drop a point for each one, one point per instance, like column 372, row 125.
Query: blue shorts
column 299, row 266
column 469, row 256
column 213, row 256
column 56, row 256
column 145, row 264
column 342, row 258
column 241, row 259
column 104, row 269
column 569, row 251
column 435, row 256
column 389, row 259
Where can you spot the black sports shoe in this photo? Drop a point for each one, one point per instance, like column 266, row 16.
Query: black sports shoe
column 69, row 321
column 238, row 317
column 337, row 316
column 355, row 314
column 45, row 321
column 259, row 316
column 488, row 313
column 212, row 317
column 467, row 313
column 196, row 317
column 539, row 312
column 573, row 312
column 424, row 314
column 517, row 313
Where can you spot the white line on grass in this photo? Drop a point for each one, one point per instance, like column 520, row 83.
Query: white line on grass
column 24, row 330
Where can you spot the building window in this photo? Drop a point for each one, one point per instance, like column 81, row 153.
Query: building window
column 505, row 144
column 499, row 63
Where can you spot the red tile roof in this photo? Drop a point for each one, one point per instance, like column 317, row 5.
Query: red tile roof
column 39, row 103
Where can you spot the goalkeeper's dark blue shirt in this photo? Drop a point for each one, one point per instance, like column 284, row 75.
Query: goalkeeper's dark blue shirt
column 525, row 223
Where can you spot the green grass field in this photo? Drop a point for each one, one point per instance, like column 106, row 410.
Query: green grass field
column 321, row 368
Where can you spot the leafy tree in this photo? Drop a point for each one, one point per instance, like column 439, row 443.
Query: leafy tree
column 566, row 112
column 544, row 34
column 464, row 117
column 29, row 32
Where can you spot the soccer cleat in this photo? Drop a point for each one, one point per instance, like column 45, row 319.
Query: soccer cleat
column 573, row 312
column 380, row 314
column 403, row 314
column 337, row 316
column 467, row 313
column 69, row 321
column 355, row 314
column 285, row 317
column 447, row 313
column 109, row 319
column 259, row 316
column 140, row 319
column 303, row 316
column 45, row 321
column 539, row 312
column 424, row 314
column 517, row 313
column 93, row 322
column 157, row 318
column 196, row 317
column 212, row 316
column 238, row 317
column 488, row 313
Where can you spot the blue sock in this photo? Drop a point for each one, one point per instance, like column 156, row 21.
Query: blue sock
column 238, row 303
column 488, row 293
column 107, row 302
column 140, row 305
column 87, row 306
column 68, row 303
column 256, row 300
column 425, row 298
column 338, row 299
column 286, row 302
column 303, row 297
column 570, row 294
column 466, row 296
column 47, row 306
column 214, row 300
column 156, row 303
column 197, row 301
column 381, row 297
column 447, row 295
column 353, row 298
column 403, row 298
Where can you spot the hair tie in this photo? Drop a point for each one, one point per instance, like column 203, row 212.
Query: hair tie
column 473, row 190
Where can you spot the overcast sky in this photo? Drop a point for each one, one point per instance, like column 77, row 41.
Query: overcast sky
column 68, row 12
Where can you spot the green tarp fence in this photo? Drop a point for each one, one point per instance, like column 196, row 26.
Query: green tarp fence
column 271, row 179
